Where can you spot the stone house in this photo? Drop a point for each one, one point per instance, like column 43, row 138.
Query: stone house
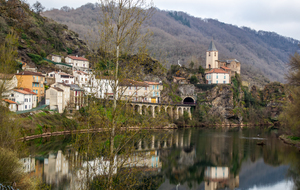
column 55, row 58
column 180, row 80
column 33, row 81
column 55, row 99
column 77, row 62
column 67, row 90
column 137, row 91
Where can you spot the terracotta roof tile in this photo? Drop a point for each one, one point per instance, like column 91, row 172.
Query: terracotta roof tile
column 217, row 71
column 152, row 83
column 179, row 78
column 78, row 58
column 9, row 101
column 223, row 67
column 24, row 91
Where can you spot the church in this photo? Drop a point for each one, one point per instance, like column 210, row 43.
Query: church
column 220, row 71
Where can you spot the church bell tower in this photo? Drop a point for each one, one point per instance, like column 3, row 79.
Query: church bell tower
column 212, row 56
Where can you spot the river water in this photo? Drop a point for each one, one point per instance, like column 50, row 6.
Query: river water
column 183, row 159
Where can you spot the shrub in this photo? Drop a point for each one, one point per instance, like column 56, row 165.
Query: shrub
column 35, row 58
column 194, row 80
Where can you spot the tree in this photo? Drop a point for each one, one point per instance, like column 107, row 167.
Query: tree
column 8, row 56
column 66, row 9
column 289, row 118
column 38, row 7
column 194, row 80
column 201, row 70
column 192, row 64
column 120, row 42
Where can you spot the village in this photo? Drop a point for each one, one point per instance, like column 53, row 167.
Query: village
column 29, row 89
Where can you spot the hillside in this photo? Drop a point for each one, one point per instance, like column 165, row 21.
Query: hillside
column 38, row 36
column 179, row 36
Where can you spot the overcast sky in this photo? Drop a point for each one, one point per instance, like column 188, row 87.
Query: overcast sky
column 280, row 16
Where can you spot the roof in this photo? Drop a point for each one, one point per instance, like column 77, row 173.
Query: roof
column 152, row 83
column 24, row 91
column 129, row 82
column 212, row 46
column 58, row 89
column 75, row 87
column 6, row 76
column 78, row 58
column 81, row 72
column 226, row 68
column 217, row 71
column 56, row 55
column 9, row 101
column 30, row 73
column 228, row 60
column 179, row 78
column 64, row 84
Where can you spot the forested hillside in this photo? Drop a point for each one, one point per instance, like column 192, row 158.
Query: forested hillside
column 38, row 36
column 179, row 36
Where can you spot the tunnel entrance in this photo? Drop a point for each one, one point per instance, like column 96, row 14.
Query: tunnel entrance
column 188, row 100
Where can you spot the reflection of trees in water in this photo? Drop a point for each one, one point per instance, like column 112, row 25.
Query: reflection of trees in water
column 224, row 149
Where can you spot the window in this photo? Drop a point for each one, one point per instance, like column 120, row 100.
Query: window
column 26, row 100
column 224, row 76
column 129, row 93
column 209, row 76
column 29, row 106
column 145, row 88
column 83, row 65
column 37, row 79
column 25, row 106
column 29, row 99
column 215, row 54
column 157, row 93
column 12, row 95
column 33, row 78
column 153, row 87
column 13, row 99
column 157, row 87
column 209, row 54
column 217, row 76
column 224, row 81
column 153, row 93
column 42, row 85
column 136, row 87
column 217, row 82
column 32, row 84
column 129, row 87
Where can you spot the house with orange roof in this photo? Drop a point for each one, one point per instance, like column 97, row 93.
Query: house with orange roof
column 77, row 62
column 12, row 106
column 217, row 76
column 26, row 99
column 180, row 80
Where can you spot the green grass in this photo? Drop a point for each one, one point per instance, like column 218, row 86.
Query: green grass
column 294, row 138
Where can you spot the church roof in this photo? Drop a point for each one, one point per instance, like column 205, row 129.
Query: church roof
column 212, row 46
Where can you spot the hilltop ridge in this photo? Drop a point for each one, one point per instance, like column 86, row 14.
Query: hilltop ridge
column 179, row 36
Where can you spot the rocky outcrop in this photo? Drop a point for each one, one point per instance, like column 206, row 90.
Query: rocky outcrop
column 188, row 89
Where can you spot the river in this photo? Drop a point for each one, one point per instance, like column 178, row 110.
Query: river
column 195, row 158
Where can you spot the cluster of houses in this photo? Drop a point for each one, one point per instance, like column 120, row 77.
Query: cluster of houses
column 60, row 90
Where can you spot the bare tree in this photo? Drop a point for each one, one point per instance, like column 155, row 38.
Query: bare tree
column 38, row 7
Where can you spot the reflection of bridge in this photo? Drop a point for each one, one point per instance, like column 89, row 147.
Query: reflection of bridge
column 174, row 111
column 178, row 140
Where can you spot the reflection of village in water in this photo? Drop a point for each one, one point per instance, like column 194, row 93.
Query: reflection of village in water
column 184, row 160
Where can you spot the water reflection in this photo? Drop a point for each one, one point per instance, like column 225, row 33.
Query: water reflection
column 185, row 159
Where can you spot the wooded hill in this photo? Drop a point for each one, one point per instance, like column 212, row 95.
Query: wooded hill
column 38, row 36
column 179, row 36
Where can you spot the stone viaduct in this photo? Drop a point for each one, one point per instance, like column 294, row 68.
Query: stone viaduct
column 174, row 111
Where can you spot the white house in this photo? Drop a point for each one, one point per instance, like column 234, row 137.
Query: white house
column 61, row 77
column 25, row 98
column 217, row 76
column 76, row 61
column 81, row 78
column 28, row 164
column 100, row 87
column 55, row 99
column 56, row 58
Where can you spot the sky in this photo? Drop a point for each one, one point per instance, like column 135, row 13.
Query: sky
column 280, row 16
